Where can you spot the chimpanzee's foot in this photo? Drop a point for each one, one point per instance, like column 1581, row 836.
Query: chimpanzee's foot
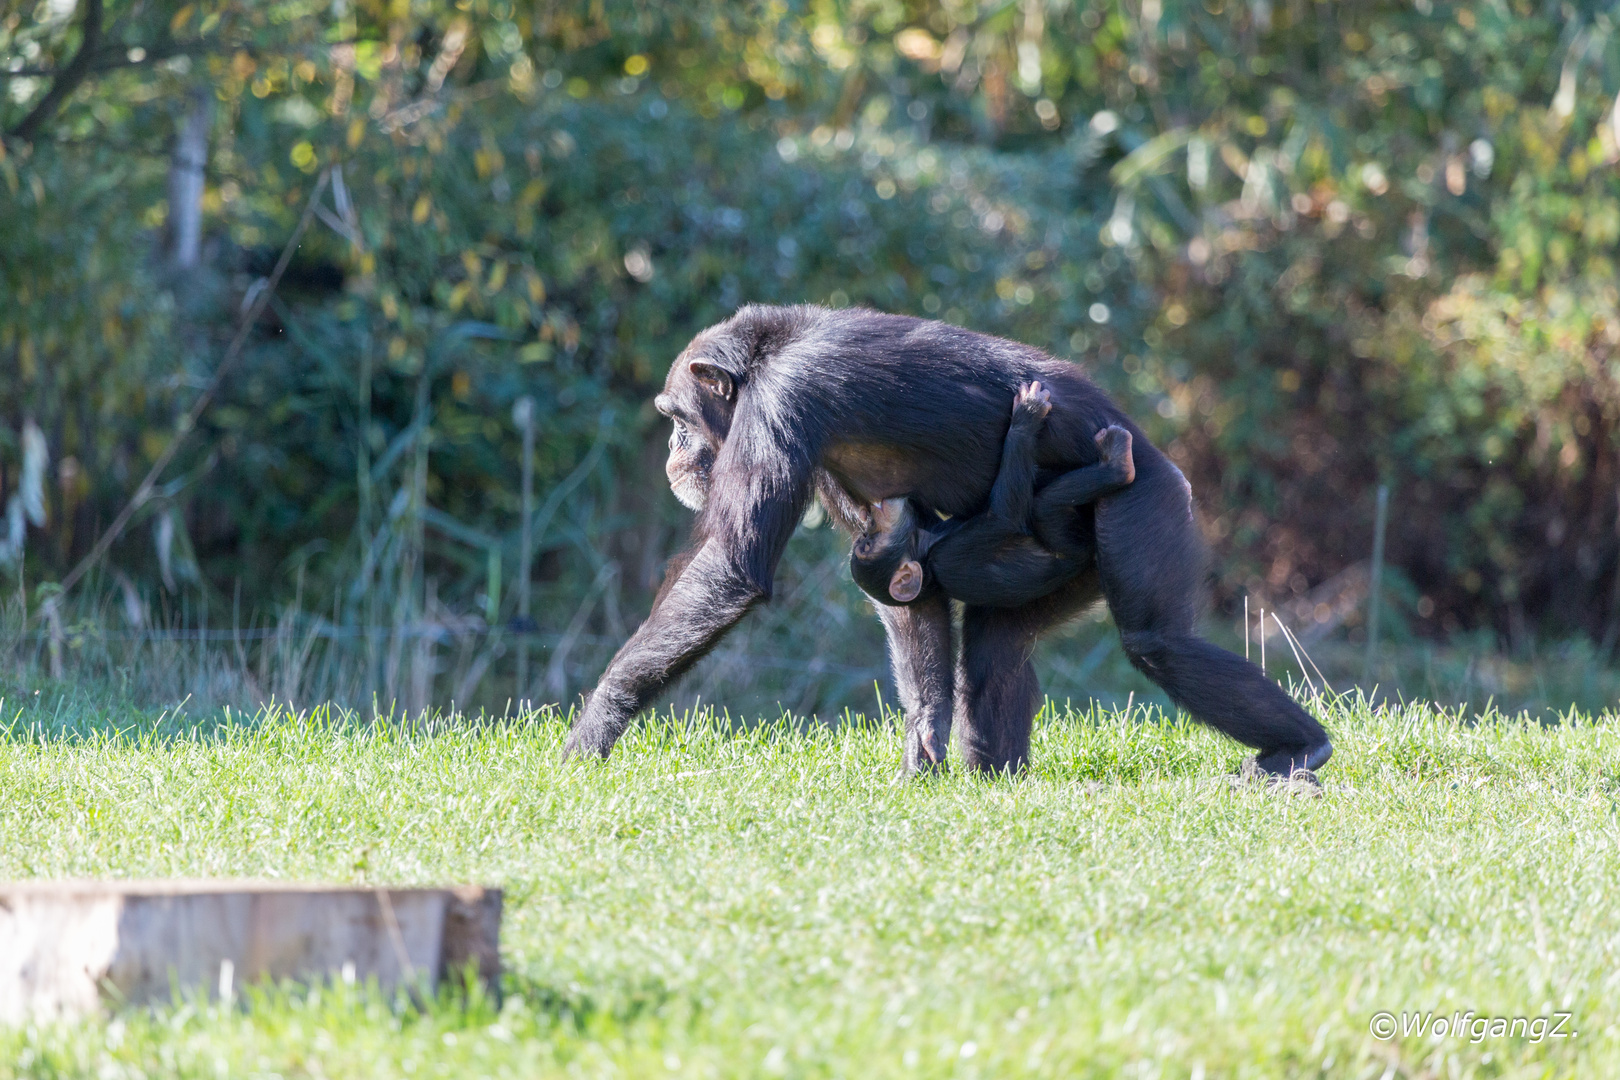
column 1115, row 444
column 1253, row 778
column 1284, row 763
column 1031, row 405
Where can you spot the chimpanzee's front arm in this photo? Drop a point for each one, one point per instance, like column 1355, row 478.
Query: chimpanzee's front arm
column 708, row 597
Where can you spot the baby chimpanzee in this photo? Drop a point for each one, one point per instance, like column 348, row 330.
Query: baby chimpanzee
column 991, row 559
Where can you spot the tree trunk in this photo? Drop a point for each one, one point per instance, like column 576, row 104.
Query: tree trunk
column 186, row 180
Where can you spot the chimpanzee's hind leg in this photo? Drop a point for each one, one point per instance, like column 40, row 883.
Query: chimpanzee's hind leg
column 997, row 693
column 1152, row 566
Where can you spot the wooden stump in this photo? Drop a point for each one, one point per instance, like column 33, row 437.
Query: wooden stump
column 68, row 946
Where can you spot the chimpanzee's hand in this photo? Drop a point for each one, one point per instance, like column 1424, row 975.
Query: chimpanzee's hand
column 601, row 723
column 1031, row 405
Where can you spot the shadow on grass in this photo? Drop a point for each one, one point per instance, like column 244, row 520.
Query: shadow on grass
column 50, row 711
column 68, row 712
column 461, row 1001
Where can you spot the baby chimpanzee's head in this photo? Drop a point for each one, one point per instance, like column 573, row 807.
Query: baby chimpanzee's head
column 886, row 561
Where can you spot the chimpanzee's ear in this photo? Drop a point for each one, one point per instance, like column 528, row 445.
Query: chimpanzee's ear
column 907, row 583
column 714, row 378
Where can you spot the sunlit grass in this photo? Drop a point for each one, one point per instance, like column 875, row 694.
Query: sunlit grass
column 773, row 901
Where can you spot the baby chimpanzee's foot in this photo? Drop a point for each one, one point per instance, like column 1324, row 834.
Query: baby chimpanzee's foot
column 1115, row 444
column 1031, row 405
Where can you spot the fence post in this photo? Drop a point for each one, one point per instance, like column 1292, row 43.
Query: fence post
column 1375, row 588
column 53, row 622
column 523, row 416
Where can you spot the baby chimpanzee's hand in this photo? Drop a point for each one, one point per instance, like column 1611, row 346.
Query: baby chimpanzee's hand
column 1115, row 444
column 1032, row 404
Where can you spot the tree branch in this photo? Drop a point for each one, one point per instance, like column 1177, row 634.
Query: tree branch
column 70, row 78
column 116, row 58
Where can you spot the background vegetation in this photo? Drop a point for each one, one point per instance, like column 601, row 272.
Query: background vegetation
column 1314, row 247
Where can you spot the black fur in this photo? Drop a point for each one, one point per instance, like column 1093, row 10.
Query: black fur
column 860, row 406
column 991, row 559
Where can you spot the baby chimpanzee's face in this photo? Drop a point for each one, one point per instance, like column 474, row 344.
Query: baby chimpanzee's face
column 885, row 561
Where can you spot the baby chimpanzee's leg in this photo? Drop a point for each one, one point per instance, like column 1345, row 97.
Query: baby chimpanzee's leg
column 1054, row 507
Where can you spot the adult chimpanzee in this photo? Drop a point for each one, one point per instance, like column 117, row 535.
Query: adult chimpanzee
column 858, row 406
column 1021, row 548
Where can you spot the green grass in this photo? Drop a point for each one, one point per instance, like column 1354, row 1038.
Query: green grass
column 774, row 902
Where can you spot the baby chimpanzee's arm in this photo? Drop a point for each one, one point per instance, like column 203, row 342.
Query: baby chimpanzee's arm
column 1014, row 490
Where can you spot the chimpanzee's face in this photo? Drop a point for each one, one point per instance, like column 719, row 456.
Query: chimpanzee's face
column 690, row 464
column 699, row 398
column 885, row 559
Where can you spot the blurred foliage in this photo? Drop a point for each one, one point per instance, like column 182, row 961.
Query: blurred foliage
column 1312, row 246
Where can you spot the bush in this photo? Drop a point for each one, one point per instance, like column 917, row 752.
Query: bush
column 1313, row 251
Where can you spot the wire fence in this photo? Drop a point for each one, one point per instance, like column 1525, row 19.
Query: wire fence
column 424, row 665
column 436, row 632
